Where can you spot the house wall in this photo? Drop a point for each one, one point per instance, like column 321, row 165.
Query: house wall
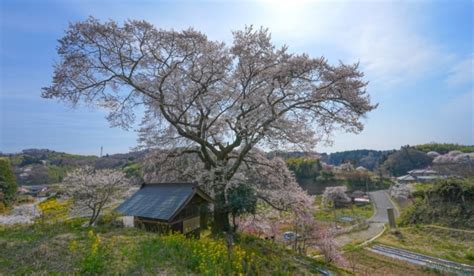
column 187, row 221
column 152, row 225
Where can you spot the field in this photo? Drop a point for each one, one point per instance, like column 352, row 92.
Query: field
column 71, row 248
column 451, row 244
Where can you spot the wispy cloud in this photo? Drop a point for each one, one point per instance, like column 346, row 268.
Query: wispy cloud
column 462, row 72
column 384, row 38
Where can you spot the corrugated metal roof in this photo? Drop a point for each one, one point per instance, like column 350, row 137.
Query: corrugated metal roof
column 158, row 201
column 428, row 177
column 406, row 178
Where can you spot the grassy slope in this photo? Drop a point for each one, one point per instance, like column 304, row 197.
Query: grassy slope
column 72, row 248
column 443, row 242
column 455, row 245
column 364, row 262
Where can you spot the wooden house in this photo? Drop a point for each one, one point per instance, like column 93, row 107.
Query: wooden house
column 167, row 207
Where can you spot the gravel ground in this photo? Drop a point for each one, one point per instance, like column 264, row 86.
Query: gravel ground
column 22, row 214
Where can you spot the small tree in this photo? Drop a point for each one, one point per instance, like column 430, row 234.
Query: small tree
column 95, row 189
column 334, row 195
column 8, row 185
column 242, row 199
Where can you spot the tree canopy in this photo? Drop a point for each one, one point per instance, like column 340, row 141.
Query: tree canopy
column 304, row 167
column 209, row 99
column 406, row 159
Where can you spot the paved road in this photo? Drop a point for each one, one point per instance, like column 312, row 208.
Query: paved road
column 374, row 229
column 381, row 201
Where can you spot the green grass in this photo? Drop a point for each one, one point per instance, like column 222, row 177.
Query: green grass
column 454, row 245
column 364, row 262
column 71, row 248
column 357, row 212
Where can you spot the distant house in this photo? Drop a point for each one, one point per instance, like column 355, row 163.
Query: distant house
column 359, row 198
column 419, row 175
column 423, row 172
column 35, row 190
column 166, row 207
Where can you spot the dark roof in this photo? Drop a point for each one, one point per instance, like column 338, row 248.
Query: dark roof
column 160, row 200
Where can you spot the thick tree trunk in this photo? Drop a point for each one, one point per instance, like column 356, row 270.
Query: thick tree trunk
column 221, row 215
column 204, row 216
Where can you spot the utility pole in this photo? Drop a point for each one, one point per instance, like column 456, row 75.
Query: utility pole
column 101, row 149
column 366, row 186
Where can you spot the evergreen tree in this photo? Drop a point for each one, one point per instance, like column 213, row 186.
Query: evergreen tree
column 8, row 185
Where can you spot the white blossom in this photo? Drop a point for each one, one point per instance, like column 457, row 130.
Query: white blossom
column 203, row 97
column 93, row 189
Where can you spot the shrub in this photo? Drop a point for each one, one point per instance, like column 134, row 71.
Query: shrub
column 109, row 218
column 3, row 209
column 53, row 210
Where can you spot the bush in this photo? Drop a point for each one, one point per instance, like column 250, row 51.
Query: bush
column 3, row 209
column 53, row 210
column 109, row 219
column 21, row 199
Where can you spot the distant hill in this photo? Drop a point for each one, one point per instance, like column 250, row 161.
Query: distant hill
column 443, row 148
column 369, row 159
column 43, row 166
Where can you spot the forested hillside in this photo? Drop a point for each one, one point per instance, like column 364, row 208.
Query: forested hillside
column 43, row 166
column 369, row 159
column 444, row 147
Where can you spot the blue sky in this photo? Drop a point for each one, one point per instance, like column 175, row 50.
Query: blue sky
column 417, row 55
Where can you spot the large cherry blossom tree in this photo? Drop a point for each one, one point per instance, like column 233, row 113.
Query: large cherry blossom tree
column 215, row 100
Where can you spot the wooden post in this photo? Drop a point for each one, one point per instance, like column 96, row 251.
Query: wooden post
column 391, row 218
